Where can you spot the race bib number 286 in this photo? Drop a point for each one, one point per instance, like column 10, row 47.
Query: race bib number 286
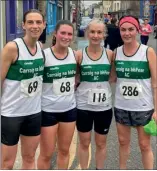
column 131, row 90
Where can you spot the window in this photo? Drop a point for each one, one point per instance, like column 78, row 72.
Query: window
column 19, row 15
column 117, row 6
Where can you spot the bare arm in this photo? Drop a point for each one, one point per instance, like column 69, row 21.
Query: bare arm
column 152, row 58
column 78, row 55
column 113, row 76
column 8, row 56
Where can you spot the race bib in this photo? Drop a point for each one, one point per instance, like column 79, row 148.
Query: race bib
column 63, row 86
column 97, row 96
column 31, row 87
column 131, row 90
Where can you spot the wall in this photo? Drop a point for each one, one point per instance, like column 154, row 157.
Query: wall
column 3, row 25
column 51, row 15
column 14, row 14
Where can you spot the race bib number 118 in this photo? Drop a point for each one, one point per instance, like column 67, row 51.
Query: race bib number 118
column 97, row 96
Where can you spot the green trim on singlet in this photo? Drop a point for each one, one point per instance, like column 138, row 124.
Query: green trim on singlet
column 132, row 69
column 95, row 72
column 25, row 69
column 59, row 71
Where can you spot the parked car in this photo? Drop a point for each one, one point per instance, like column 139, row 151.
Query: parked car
column 83, row 26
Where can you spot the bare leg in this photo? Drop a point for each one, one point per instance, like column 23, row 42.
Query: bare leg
column 65, row 135
column 124, row 144
column 83, row 151
column 47, row 146
column 146, row 150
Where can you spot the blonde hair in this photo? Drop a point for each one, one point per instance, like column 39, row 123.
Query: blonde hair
column 96, row 21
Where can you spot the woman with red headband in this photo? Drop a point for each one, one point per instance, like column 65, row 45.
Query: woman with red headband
column 135, row 97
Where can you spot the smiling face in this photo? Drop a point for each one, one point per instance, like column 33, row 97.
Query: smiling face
column 95, row 33
column 33, row 25
column 64, row 35
column 128, row 32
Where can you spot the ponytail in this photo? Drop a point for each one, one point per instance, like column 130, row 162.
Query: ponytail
column 53, row 40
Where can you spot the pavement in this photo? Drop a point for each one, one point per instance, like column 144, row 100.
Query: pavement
column 111, row 163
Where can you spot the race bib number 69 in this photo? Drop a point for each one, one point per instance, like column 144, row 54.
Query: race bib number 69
column 31, row 87
column 131, row 90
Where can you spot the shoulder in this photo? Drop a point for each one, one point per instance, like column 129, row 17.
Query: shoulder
column 10, row 51
column 109, row 52
column 41, row 45
column 150, row 53
column 47, row 50
column 11, row 46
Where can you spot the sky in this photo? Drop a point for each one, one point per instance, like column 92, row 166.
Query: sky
column 87, row 3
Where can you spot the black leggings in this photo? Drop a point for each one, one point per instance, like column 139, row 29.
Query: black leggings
column 144, row 39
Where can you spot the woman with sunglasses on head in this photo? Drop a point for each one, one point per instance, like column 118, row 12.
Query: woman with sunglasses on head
column 94, row 100
column 58, row 98
column 136, row 95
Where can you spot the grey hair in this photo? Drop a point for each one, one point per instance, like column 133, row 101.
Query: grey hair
column 97, row 21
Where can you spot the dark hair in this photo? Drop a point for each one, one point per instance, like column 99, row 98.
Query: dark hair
column 59, row 23
column 31, row 11
column 130, row 16
column 113, row 20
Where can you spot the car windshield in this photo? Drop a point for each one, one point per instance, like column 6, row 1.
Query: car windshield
column 85, row 22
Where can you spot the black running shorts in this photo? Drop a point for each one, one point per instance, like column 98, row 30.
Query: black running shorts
column 53, row 118
column 12, row 127
column 102, row 121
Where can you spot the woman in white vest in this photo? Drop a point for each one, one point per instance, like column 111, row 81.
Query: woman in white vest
column 58, row 98
column 94, row 101
column 21, row 76
column 135, row 97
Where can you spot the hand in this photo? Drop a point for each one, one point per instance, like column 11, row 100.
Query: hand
column 154, row 116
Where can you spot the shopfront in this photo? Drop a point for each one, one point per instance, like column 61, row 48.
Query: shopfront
column 14, row 16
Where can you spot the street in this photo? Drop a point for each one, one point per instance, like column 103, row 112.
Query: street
column 134, row 162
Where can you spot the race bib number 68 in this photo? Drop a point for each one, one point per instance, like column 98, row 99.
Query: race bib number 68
column 64, row 86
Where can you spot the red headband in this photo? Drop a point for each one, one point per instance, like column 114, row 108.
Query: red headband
column 129, row 20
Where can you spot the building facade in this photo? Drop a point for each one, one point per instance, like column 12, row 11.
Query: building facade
column 51, row 15
column 14, row 16
column 106, row 6
column 3, row 25
column 148, row 10
column 59, row 9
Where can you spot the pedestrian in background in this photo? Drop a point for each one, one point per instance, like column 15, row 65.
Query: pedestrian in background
column 42, row 38
column 145, row 31
column 135, row 97
column 113, row 38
